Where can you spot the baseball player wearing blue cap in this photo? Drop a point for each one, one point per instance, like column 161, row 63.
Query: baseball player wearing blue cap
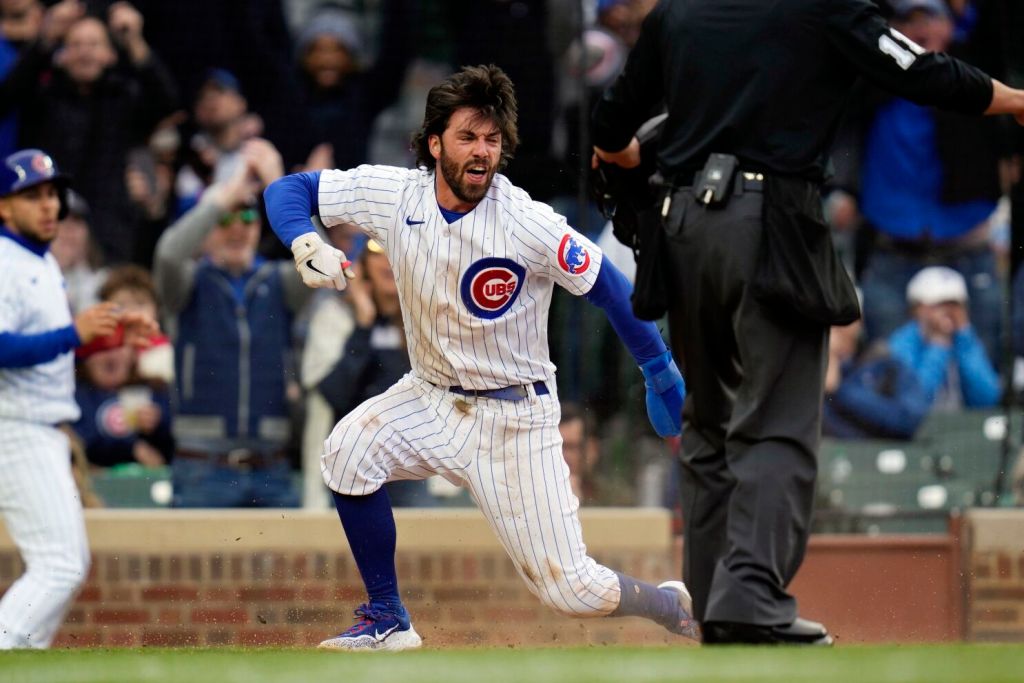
column 38, row 499
column 475, row 260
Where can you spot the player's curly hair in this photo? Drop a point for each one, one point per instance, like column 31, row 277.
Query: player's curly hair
column 484, row 88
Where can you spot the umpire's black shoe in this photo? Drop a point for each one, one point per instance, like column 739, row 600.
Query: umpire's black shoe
column 800, row 632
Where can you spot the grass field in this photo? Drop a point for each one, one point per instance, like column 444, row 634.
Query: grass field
column 888, row 664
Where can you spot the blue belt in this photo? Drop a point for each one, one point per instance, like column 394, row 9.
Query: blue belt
column 516, row 393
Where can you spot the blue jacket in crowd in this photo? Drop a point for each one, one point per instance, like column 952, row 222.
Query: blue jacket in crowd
column 979, row 383
column 233, row 337
column 880, row 398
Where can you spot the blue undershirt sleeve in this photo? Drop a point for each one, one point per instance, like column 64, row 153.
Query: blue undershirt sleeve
column 611, row 292
column 26, row 350
column 291, row 201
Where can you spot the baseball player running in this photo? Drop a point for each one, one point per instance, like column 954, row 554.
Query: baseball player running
column 475, row 261
column 38, row 498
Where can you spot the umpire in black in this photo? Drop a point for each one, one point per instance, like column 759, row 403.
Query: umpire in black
column 754, row 91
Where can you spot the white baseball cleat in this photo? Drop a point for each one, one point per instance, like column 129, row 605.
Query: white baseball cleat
column 687, row 625
column 376, row 629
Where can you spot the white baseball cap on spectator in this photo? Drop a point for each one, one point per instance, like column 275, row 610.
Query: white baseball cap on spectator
column 936, row 285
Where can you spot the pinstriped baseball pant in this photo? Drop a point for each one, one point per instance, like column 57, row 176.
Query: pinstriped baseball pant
column 508, row 454
column 43, row 514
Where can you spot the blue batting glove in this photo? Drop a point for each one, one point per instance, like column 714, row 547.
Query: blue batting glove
column 665, row 393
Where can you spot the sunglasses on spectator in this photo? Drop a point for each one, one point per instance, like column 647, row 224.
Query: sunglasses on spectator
column 247, row 216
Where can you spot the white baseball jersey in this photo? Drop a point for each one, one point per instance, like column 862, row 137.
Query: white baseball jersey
column 38, row 498
column 32, row 300
column 475, row 296
column 475, row 293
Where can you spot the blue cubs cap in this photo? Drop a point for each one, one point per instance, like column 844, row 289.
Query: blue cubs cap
column 26, row 168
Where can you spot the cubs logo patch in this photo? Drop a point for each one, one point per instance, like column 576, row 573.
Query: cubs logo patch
column 111, row 419
column 491, row 285
column 573, row 257
column 42, row 164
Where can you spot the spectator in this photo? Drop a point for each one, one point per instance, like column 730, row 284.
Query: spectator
column 929, row 182
column 869, row 395
column 123, row 394
column 581, row 450
column 89, row 109
column 940, row 344
column 19, row 24
column 78, row 256
column 353, row 353
column 248, row 39
column 149, row 181
column 222, row 123
column 342, row 97
column 132, row 289
column 231, row 326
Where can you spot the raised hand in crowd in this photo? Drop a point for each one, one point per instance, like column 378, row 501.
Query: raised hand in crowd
column 104, row 318
column 58, row 19
column 939, row 322
column 125, row 24
column 96, row 321
column 264, row 160
column 139, row 328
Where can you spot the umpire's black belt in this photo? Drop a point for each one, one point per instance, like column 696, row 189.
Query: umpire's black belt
column 513, row 393
column 744, row 181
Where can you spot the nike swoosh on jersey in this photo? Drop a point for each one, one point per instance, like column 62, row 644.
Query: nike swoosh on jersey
column 410, row 221
column 381, row 636
column 309, row 264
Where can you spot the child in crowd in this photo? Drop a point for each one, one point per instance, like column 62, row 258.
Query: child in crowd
column 126, row 413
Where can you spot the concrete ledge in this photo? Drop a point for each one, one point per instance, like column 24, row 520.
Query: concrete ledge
column 141, row 531
column 996, row 529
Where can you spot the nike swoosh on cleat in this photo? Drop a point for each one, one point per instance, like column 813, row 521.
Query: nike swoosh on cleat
column 309, row 264
column 409, row 221
column 381, row 636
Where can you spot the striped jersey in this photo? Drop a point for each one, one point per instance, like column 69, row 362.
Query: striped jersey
column 33, row 300
column 475, row 293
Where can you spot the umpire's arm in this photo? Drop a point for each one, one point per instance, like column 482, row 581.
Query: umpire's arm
column 893, row 62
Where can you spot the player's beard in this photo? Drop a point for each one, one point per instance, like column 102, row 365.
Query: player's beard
column 453, row 174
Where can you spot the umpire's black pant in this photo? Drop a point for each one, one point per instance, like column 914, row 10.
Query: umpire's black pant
column 752, row 417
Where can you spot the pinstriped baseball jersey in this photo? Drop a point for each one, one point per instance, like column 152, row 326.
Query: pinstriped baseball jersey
column 475, row 293
column 475, row 296
column 508, row 454
column 33, row 300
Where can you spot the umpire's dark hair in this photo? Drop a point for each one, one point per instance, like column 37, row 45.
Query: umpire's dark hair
column 484, row 88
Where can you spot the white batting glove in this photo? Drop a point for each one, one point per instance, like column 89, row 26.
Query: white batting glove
column 320, row 264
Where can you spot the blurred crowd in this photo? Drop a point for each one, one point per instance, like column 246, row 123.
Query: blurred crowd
column 173, row 116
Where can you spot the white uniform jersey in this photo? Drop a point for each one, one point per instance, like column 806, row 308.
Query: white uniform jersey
column 475, row 293
column 32, row 300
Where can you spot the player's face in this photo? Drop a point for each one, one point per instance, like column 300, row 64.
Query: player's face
column 32, row 213
column 468, row 153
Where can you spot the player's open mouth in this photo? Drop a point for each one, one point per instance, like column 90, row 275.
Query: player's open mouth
column 477, row 174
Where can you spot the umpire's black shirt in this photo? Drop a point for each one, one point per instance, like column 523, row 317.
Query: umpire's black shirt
column 766, row 80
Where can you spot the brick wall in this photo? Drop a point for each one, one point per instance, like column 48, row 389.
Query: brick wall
column 212, row 578
column 994, row 552
column 183, row 579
